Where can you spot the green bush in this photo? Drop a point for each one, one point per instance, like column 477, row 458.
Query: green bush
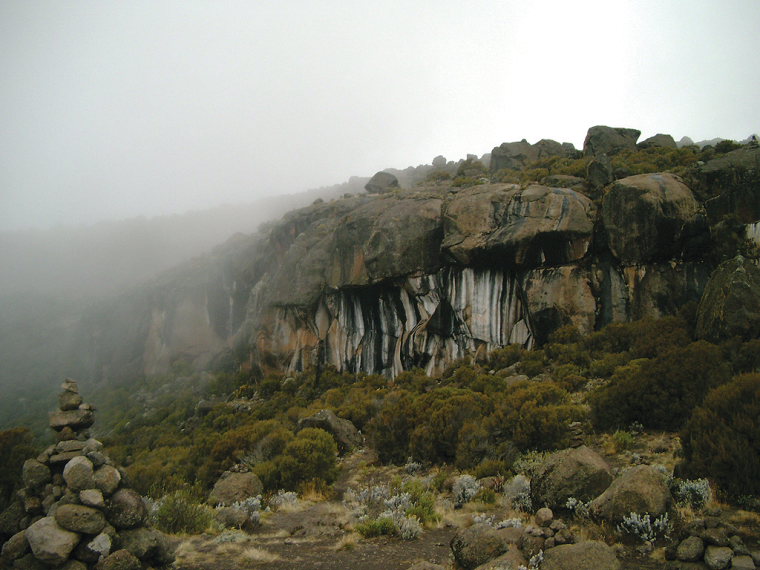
column 382, row 526
column 722, row 438
column 491, row 468
column 310, row 455
column 16, row 446
column 661, row 392
column 504, row 357
column 533, row 415
column 180, row 512
column 623, row 440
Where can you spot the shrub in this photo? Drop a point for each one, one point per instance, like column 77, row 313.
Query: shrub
column 380, row 526
column 644, row 528
column 16, row 445
column 661, row 392
column 533, row 415
column 580, row 509
column 486, row 496
column 505, row 357
column 491, row 468
column 310, row 455
column 694, row 493
column 623, row 440
column 465, row 488
column 409, row 528
column 722, row 439
column 180, row 512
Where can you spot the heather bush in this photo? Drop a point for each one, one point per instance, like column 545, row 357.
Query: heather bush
column 722, row 438
column 533, row 415
column 16, row 445
column 505, row 357
column 381, row 526
column 310, row 455
column 662, row 392
column 181, row 512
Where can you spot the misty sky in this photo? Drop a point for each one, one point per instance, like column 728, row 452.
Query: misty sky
column 113, row 109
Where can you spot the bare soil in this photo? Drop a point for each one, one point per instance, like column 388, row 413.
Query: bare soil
column 313, row 538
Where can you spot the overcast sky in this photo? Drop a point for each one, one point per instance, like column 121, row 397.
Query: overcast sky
column 113, row 109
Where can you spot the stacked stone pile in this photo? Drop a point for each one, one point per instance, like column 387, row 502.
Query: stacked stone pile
column 576, row 433
column 714, row 543
column 75, row 510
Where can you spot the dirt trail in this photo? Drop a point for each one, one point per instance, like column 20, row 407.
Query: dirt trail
column 313, row 538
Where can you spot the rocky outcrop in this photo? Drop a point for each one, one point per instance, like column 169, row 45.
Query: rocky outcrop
column 651, row 217
column 75, row 506
column 344, row 432
column 516, row 155
column 232, row 487
column 478, row 544
column 729, row 184
column 730, row 305
column 380, row 283
column 640, row 489
column 521, row 227
column 711, row 542
column 589, row 555
column 381, row 183
column 609, row 140
column 578, row 472
column 658, row 141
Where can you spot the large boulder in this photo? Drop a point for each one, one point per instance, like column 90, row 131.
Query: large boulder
column 364, row 243
column 730, row 182
column 650, row 217
column 658, row 141
column 49, row 542
column 381, row 183
column 640, row 489
column 78, row 474
column 107, row 479
column 343, row 431
column 609, row 140
column 92, row 549
column 75, row 419
column 513, row 559
column 150, row 545
column 233, row 487
column 558, row 296
column 79, row 518
column 35, row 474
column 516, row 155
column 126, row 509
column 589, row 555
column 580, row 473
column 480, row 543
column 119, row 560
column 15, row 547
column 385, row 238
column 730, row 305
column 505, row 224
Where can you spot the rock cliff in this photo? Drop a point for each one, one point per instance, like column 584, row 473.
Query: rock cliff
column 419, row 277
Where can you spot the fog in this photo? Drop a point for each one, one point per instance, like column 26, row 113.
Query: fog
column 112, row 110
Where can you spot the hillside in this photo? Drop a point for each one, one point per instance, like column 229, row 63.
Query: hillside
column 547, row 357
column 468, row 260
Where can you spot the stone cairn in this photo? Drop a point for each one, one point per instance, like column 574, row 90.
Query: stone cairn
column 75, row 510
column 577, row 434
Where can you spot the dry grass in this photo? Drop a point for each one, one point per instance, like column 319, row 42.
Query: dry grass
column 310, row 491
column 347, row 542
column 259, row 555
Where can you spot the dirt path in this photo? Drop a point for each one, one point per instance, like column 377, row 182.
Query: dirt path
column 315, row 537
